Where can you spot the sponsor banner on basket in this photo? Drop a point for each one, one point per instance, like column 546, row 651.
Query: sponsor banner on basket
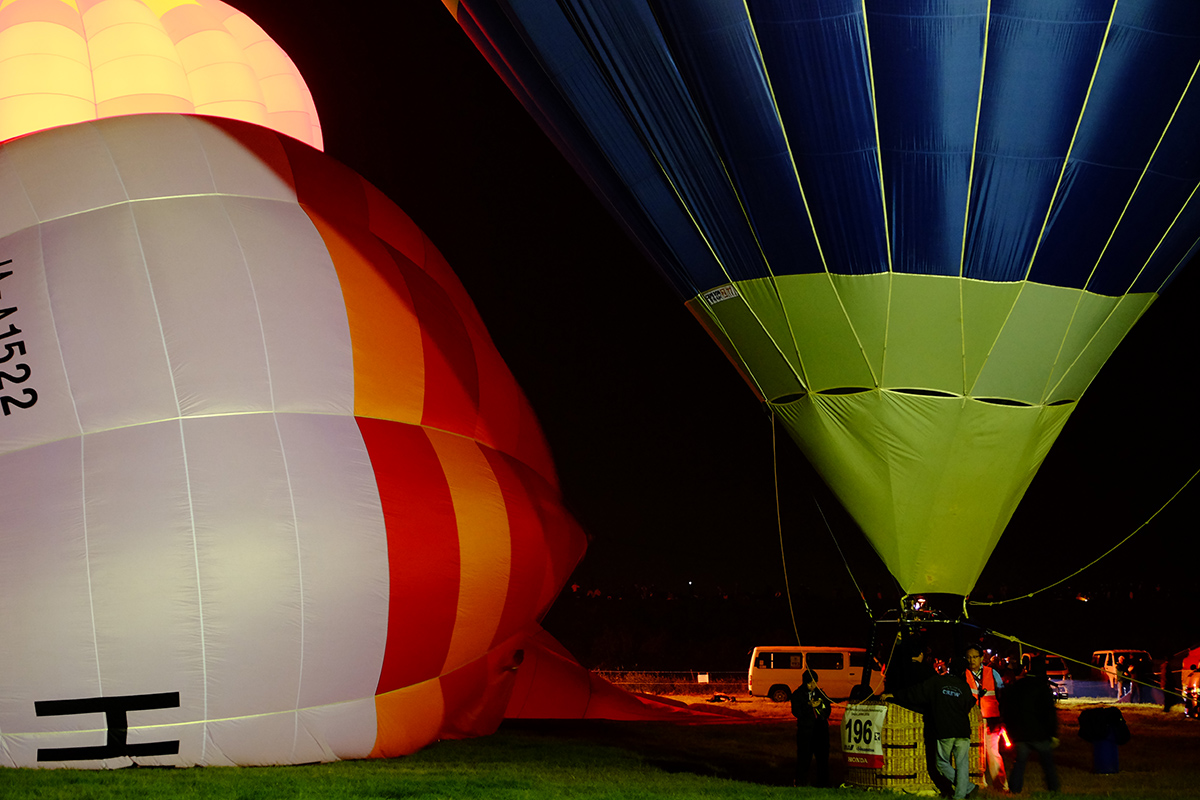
column 862, row 736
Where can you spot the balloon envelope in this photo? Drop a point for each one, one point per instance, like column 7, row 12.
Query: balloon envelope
column 270, row 495
column 918, row 229
column 64, row 62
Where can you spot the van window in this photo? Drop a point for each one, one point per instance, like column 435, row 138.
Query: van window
column 820, row 661
column 780, row 661
column 858, row 659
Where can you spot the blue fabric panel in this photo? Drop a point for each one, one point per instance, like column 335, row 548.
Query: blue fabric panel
column 515, row 64
column 715, row 50
column 1171, row 183
column 927, row 58
column 707, row 124
column 815, row 55
column 626, row 42
column 1141, row 77
column 1040, row 58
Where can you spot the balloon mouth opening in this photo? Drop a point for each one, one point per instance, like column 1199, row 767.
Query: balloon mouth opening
column 932, row 607
column 793, row 397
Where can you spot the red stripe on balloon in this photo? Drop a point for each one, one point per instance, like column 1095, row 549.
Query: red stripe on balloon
column 563, row 538
column 527, row 562
column 423, row 555
column 332, row 189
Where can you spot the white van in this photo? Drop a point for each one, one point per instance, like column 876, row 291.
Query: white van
column 1105, row 665
column 776, row 671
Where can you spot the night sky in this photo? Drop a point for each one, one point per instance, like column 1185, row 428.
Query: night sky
column 664, row 454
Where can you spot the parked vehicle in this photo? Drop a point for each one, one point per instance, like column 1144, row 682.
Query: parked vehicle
column 1107, row 666
column 1056, row 671
column 776, row 671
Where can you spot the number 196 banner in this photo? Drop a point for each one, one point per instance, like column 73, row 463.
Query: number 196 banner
column 862, row 740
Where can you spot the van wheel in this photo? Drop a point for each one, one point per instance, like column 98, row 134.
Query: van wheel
column 780, row 694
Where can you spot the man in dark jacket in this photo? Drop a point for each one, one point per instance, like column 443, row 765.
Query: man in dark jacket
column 1031, row 720
column 948, row 700
column 812, row 708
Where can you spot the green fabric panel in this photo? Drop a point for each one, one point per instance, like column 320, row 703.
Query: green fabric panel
column 932, row 481
column 828, row 345
column 865, row 298
column 985, row 309
column 924, row 335
column 751, row 347
column 1023, row 356
column 1081, row 370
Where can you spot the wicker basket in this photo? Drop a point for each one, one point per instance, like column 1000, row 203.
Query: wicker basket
column 903, row 739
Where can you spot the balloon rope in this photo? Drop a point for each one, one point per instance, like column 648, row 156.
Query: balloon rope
column 845, row 563
column 1103, row 555
column 1043, row 650
column 779, row 523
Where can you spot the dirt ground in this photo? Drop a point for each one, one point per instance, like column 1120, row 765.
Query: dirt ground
column 1162, row 758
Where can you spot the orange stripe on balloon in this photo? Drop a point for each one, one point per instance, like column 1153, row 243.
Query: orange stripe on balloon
column 54, row 11
column 184, row 21
column 451, row 376
column 423, row 551
column 483, row 545
column 385, row 335
column 407, row 719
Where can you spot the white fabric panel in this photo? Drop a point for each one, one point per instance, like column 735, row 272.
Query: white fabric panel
column 237, row 171
column 248, row 563
column 303, row 315
column 16, row 211
column 206, row 305
column 47, row 642
column 105, row 319
column 144, row 591
column 52, row 415
column 341, row 730
column 158, row 156
column 343, row 545
column 75, row 157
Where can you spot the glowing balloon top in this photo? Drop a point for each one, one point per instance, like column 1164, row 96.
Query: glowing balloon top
column 918, row 229
column 68, row 61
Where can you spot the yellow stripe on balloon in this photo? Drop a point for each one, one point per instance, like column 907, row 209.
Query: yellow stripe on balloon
column 484, row 542
column 160, row 7
column 407, row 719
column 389, row 363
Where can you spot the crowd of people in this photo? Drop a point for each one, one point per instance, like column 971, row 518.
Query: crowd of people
column 1018, row 702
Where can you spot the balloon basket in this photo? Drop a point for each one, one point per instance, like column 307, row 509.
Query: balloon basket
column 904, row 754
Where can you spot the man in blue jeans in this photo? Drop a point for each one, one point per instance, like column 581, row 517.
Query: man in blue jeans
column 949, row 700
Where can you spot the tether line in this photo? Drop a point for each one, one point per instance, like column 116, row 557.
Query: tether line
column 779, row 524
column 1103, row 555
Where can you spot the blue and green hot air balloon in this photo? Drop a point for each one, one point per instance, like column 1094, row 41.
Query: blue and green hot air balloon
column 918, row 228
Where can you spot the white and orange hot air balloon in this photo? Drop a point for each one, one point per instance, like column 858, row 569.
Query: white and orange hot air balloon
column 268, row 494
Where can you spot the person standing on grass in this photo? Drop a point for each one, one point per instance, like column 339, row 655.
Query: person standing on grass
column 811, row 707
column 949, row 701
column 1031, row 719
column 986, row 683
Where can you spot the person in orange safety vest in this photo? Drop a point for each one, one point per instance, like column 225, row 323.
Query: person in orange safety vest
column 986, row 683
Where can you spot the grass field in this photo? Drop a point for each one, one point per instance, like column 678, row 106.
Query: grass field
column 750, row 758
